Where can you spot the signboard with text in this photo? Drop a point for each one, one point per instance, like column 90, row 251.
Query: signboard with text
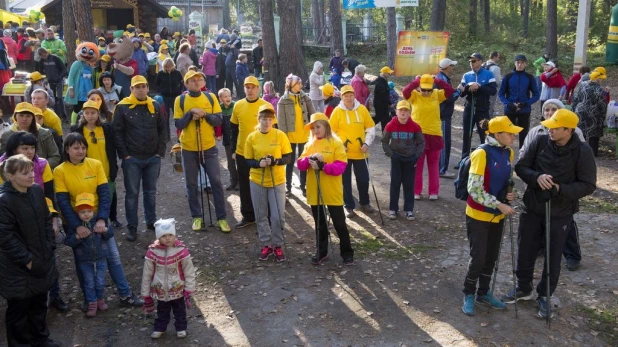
column 419, row 52
column 354, row 4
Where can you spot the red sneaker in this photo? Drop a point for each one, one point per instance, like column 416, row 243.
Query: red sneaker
column 279, row 256
column 267, row 251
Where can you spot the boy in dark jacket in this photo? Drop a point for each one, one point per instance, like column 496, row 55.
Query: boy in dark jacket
column 227, row 106
column 242, row 72
column 90, row 254
column 402, row 142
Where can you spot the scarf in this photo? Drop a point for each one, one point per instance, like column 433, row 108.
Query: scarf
column 132, row 101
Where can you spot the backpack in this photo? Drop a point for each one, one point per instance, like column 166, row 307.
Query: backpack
column 461, row 182
column 182, row 101
column 488, row 64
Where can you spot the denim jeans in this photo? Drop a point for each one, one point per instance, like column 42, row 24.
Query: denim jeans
column 211, row 84
column 190, row 164
column 445, row 153
column 289, row 168
column 146, row 172
column 94, row 279
column 361, row 171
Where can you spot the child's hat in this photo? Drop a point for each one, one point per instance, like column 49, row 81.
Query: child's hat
column 404, row 104
column 84, row 201
column 164, row 227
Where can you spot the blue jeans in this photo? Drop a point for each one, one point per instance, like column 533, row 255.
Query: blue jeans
column 94, row 279
column 445, row 153
column 211, row 84
column 190, row 164
column 145, row 171
column 361, row 171
column 54, row 291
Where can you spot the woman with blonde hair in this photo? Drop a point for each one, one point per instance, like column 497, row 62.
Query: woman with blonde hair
column 169, row 84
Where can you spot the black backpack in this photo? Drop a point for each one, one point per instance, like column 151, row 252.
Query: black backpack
column 461, row 182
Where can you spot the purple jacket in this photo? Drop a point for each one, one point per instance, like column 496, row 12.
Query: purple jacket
column 39, row 168
column 208, row 61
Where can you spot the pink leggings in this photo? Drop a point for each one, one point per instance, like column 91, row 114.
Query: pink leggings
column 433, row 168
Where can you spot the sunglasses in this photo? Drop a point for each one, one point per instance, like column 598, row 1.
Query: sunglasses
column 93, row 137
column 472, row 61
column 426, row 90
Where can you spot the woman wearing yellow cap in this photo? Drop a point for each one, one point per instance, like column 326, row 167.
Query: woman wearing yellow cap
column 267, row 151
column 325, row 160
column 103, row 65
column 488, row 203
column 590, row 104
column 164, row 53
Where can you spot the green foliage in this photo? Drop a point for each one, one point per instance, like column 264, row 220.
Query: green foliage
column 602, row 321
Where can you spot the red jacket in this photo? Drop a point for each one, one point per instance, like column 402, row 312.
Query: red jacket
column 553, row 81
column 361, row 90
column 11, row 47
column 27, row 51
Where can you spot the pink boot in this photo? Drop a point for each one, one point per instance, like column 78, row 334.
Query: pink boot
column 92, row 309
column 101, row 305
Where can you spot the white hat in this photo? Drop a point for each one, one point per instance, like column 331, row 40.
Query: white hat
column 550, row 63
column 164, row 227
column 446, row 62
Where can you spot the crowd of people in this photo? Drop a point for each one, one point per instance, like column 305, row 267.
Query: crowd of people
column 66, row 182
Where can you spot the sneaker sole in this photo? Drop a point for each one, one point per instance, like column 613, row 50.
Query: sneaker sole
column 280, row 260
column 243, row 225
column 486, row 304
column 523, row 298
column 264, row 259
column 468, row 314
column 320, row 261
column 538, row 315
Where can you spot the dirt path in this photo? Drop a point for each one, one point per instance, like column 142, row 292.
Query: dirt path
column 404, row 291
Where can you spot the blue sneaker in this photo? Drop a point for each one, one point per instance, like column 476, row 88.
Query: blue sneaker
column 468, row 305
column 542, row 301
column 489, row 300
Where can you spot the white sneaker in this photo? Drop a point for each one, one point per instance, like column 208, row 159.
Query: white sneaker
column 410, row 215
column 447, row 174
column 417, row 196
column 181, row 334
column 392, row 214
column 156, row 334
column 433, row 197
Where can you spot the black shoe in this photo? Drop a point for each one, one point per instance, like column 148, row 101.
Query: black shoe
column 348, row 261
column 131, row 301
column 243, row 223
column 84, row 306
column 52, row 343
column 540, row 253
column 59, row 304
column 117, row 225
column 208, row 190
column 304, row 190
column 232, row 186
column 150, row 227
column 316, row 261
column 132, row 234
column 573, row 265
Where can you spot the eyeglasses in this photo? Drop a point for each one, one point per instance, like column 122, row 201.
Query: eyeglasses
column 551, row 110
column 93, row 138
column 472, row 61
column 426, row 90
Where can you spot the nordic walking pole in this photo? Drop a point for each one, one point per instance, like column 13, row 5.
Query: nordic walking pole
column 326, row 213
column 497, row 266
column 547, row 276
column 510, row 190
column 199, row 150
column 280, row 213
column 371, row 181
column 317, row 225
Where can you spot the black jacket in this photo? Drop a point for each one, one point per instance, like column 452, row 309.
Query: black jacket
column 138, row 132
column 220, row 65
column 572, row 167
column 169, row 84
column 26, row 235
column 110, row 147
column 257, row 55
column 381, row 94
column 53, row 68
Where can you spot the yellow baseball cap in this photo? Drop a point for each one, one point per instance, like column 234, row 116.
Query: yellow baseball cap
column 139, row 79
column 177, row 34
column 316, row 117
column 106, row 58
column 267, row 107
column 129, row 26
column 404, row 104
column 163, row 46
column 50, row 205
column 164, row 42
column 91, row 104
column 37, row 111
column 84, row 199
column 347, row 89
column 36, row 76
column 101, row 38
column 562, row 118
column 327, row 89
column 140, row 34
column 147, row 35
column 386, row 69
column 598, row 73
column 503, row 124
column 426, row 81
column 24, row 107
column 223, row 41
column 192, row 73
column 252, row 80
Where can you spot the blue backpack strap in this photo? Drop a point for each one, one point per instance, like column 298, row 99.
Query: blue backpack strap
column 182, row 101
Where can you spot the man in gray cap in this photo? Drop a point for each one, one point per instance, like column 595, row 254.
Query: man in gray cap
column 446, row 66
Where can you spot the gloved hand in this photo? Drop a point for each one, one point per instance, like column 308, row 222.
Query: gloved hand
column 511, row 107
column 148, row 306
column 321, row 165
column 188, row 300
column 523, row 104
column 273, row 162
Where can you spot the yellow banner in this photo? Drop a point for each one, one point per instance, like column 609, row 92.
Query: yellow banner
column 612, row 34
column 419, row 52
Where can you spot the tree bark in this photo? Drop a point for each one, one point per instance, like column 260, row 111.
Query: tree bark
column 321, row 32
column 291, row 59
column 438, row 15
column 525, row 15
column 316, row 19
column 552, row 29
column 227, row 20
column 391, row 36
column 472, row 24
column 299, row 24
column 486, row 15
column 68, row 23
column 83, row 22
column 3, row 5
column 336, row 32
column 271, row 57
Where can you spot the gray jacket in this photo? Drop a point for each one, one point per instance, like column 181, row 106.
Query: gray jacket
column 286, row 114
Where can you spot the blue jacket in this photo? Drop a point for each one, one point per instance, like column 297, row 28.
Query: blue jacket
column 488, row 88
column 142, row 61
column 231, row 56
column 448, row 106
column 518, row 87
column 93, row 247
column 242, row 72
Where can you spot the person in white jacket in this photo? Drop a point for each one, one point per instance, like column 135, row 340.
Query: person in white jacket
column 492, row 65
column 316, row 80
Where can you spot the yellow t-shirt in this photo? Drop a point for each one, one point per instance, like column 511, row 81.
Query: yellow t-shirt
column 52, row 121
column 258, row 146
column 478, row 162
column 331, row 186
column 299, row 135
column 188, row 136
column 350, row 126
column 47, row 174
column 97, row 150
column 81, row 178
column 426, row 111
column 245, row 116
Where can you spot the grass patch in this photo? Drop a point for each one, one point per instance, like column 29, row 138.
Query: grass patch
column 369, row 244
column 595, row 204
column 602, row 321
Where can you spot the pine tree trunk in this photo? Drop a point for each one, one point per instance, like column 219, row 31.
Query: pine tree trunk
column 315, row 20
column 486, row 15
column 68, row 23
column 271, row 57
column 438, row 15
column 552, row 29
column 321, row 31
column 3, row 5
column 472, row 23
column 525, row 14
column 391, row 36
column 336, row 32
column 84, row 22
column 299, row 24
column 291, row 59
column 227, row 20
